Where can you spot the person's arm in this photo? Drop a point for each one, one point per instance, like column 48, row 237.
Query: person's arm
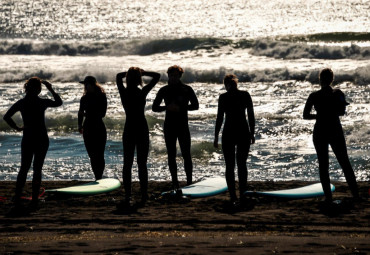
column 104, row 105
column 57, row 100
column 9, row 114
column 219, row 121
column 156, row 107
column 342, row 102
column 119, row 81
column 155, row 78
column 194, row 104
column 251, row 119
column 81, row 115
column 307, row 109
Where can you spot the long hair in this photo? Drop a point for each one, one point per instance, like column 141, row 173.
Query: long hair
column 33, row 85
column 134, row 77
column 92, row 81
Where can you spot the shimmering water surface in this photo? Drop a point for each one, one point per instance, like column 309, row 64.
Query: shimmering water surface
column 275, row 47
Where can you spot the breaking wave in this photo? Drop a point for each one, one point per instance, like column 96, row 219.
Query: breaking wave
column 293, row 50
column 359, row 76
column 291, row 47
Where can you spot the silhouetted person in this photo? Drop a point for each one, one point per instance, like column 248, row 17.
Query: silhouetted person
column 237, row 135
column 136, row 131
column 179, row 99
column 329, row 104
column 35, row 141
column 93, row 107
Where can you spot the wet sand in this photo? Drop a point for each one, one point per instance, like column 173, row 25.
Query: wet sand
column 65, row 225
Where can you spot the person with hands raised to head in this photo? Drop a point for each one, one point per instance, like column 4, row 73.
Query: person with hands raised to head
column 35, row 140
column 136, row 131
column 237, row 135
column 93, row 107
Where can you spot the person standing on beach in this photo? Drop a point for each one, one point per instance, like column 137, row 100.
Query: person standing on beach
column 35, row 141
column 93, row 107
column 136, row 131
column 237, row 133
column 179, row 99
column 329, row 104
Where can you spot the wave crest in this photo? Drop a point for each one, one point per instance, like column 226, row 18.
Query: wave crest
column 292, row 50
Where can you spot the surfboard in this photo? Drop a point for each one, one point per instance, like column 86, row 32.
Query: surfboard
column 208, row 187
column 309, row 191
column 91, row 188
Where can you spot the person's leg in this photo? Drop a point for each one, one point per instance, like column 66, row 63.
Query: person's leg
column 322, row 150
column 100, row 158
column 185, row 146
column 142, row 151
column 128, row 159
column 228, row 148
column 38, row 162
column 170, row 137
column 339, row 148
column 241, row 158
column 26, row 161
column 95, row 141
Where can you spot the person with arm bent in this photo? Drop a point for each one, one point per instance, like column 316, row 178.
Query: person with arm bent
column 178, row 99
column 35, row 140
column 329, row 104
column 136, row 131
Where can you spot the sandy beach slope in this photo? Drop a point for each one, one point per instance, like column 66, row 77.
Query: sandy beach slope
column 198, row 226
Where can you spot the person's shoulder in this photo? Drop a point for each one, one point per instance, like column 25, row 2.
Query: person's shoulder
column 223, row 95
column 164, row 88
column 188, row 88
column 19, row 103
column 245, row 93
column 315, row 94
column 338, row 92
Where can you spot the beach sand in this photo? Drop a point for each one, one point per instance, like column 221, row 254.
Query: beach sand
column 198, row 226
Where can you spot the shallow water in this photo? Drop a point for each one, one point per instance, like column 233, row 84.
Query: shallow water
column 276, row 49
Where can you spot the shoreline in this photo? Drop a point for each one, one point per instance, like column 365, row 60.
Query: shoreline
column 197, row 226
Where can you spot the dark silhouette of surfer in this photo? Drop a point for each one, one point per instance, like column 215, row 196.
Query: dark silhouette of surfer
column 136, row 131
column 35, row 140
column 93, row 107
column 237, row 135
column 329, row 104
column 179, row 99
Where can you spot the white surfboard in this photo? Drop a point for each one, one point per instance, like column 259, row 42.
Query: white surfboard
column 91, row 188
column 208, row 187
column 309, row 191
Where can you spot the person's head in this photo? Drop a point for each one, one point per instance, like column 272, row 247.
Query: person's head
column 134, row 77
column 33, row 86
column 326, row 77
column 231, row 82
column 174, row 73
column 91, row 85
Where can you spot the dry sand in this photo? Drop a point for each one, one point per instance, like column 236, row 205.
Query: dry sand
column 197, row 226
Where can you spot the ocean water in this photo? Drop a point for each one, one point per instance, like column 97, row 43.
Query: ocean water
column 276, row 48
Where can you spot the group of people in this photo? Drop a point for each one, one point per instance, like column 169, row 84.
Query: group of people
column 237, row 136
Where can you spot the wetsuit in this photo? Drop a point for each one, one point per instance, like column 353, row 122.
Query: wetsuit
column 236, row 133
column 135, row 133
column 329, row 105
column 35, row 141
column 93, row 107
column 176, row 125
